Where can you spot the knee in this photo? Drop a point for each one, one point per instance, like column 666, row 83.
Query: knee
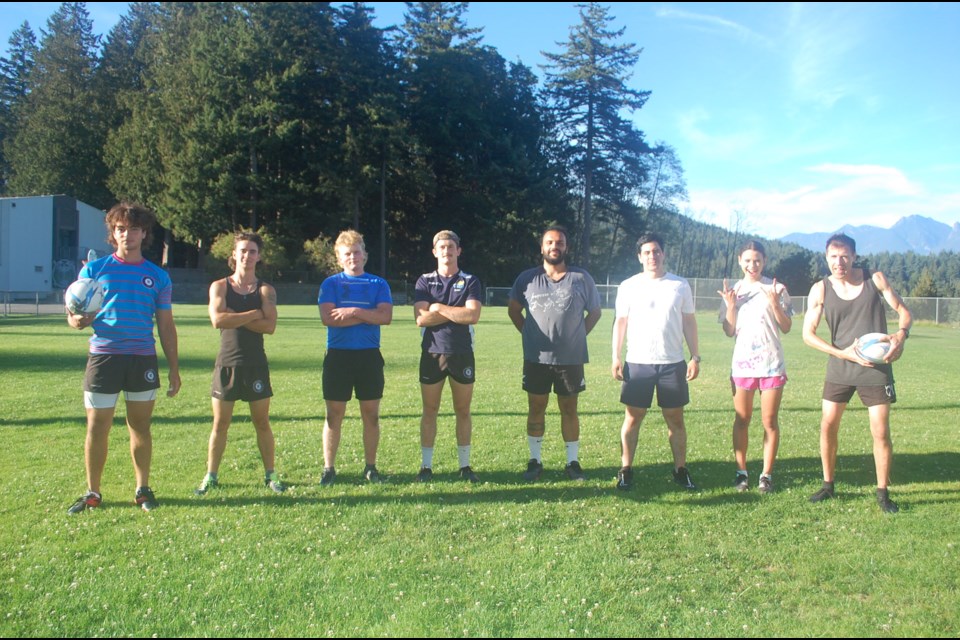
column 536, row 430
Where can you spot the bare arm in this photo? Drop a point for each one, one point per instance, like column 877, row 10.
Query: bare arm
column 730, row 318
column 693, row 343
column 811, row 321
column 784, row 322
column 593, row 317
column 221, row 316
column 515, row 311
column 167, row 331
column 619, row 334
column 268, row 308
column 436, row 313
column 904, row 317
column 332, row 316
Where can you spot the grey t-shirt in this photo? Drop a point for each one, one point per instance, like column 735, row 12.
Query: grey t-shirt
column 554, row 331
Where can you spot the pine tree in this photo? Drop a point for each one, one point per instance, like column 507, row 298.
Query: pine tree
column 15, row 70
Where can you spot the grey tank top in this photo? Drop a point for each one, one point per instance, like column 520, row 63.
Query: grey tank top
column 848, row 320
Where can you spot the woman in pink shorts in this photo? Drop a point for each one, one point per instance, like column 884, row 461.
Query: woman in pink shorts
column 754, row 312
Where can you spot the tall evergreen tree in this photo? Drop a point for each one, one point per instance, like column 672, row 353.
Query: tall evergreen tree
column 587, row 87
column 60, row 132
column 15, row 70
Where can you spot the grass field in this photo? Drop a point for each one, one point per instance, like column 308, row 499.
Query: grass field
column 501, row 558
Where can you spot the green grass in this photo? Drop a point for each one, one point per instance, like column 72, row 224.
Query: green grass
column 502, row 558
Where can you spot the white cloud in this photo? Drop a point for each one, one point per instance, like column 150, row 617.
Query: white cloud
column 715, row 24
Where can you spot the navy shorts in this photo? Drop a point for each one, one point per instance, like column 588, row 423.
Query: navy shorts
column 434, row 367
column 669, row 381
column 246, row 383
column 113, row 373
column 346, row 370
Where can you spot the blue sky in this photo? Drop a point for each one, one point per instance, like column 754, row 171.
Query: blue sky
column 801, row 117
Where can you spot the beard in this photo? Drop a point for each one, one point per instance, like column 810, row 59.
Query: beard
column 562, row 258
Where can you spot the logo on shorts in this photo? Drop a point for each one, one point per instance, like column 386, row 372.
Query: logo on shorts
column 150, row 375
column 468, row 372
column 258, row 386
column 148, row 282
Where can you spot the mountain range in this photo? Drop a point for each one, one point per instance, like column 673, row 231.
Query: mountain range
column 919, row 234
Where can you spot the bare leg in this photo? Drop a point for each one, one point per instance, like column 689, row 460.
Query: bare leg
column 431, row 395
column 331, row 431
column 260, row 415
column 99, row 422
column 829, row 430
column 630, row 434
column 677, row 433
column 462, row 398
column 882, row 442
column 770, row 412
column 743, row 414
column 370, row 414
column 222, row 415
column 139, row 415
column 569, row 420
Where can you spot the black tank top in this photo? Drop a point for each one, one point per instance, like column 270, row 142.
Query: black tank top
column 241, row 346
column 848, row 320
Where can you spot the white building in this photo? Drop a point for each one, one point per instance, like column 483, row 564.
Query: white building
column 43, row 240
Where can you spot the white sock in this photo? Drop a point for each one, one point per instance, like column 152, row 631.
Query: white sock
column 427, row 457
column 535, row 443
column 463, row 453
column 573, row 451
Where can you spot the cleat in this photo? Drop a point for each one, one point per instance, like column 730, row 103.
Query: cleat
column 766, row 484
column 326, row 479
column 371, row 474
column 682, row 477
column 146, row 500
column 741, row 483
column 273, row 483
column 466, row 473
column 886, row 504
column 89, row 500
column 534, row 469
column 625, row 479
column 425, row 475
column 208, row 482
column 825, row 493
column 575, row 472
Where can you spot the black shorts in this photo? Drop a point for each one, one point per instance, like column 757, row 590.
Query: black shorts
column 563, row 379
column 434, row 367
column 871, row 395
column 669, row 381
column 113, row 373
column 346, row 369
column 246, row 383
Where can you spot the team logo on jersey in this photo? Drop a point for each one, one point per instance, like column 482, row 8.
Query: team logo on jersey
column 258, row 386
column 459, row 285
column 148, row 282
column 150, row 375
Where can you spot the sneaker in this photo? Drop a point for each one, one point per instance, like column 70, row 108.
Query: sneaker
column 425, row 475
column 89, row 500
column 825, row 493
column 274, row 484
column 682, row 477
column 625, row 479
column 766, row 484
column 575, row 472
column 886, row 504
column 466, row 473
column 741, row 482
column 534, row 469
column 371, row 474
column 208, row 482
column 326, row 479
column 146, row 500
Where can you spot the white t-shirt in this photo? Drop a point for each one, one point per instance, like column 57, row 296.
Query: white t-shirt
column 757, row 352
column 654, row 309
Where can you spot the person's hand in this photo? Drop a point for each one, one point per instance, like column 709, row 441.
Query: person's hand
column 80, row 321
column 693, row 370
column 773, row 294
column 174, row 387
column 616, row 369
column 729, row 295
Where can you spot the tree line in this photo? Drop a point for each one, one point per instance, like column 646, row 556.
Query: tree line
column 302, row 119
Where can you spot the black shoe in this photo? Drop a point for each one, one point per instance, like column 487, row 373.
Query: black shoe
column 425, row 475
column 274, row 483
column 534, row 469
column 466, row 473
column 825, row 493
column 682, row 477
column 886, row 504
column 575, row 472
column 89, row 500
column 328, row 476
column 766, row 484
column 371, row 474
column 146, row 500
column 625, row 479
column 741, row 482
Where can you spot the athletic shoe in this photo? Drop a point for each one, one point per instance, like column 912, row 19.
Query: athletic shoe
column 534, row 469
column 89, row 500
column 146, row 500
column 741, row 482
column 766, row 484
column 575, row 472
column 886, row 504
column 274, row 484
column 825, row 493
column 682, row 477
column 326, row 479
column 625, row 479
column 371, row 474
column 208, row 482
column 466, row 473
column 425, row 475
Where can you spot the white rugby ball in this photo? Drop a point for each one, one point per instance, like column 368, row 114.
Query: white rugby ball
column 872, row 347
column 83, row 296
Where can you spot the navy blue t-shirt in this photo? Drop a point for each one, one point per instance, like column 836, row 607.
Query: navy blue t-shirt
column 453, row 291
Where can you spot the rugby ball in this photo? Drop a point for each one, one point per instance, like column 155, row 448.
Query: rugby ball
column 85, row 296
column 872, row 347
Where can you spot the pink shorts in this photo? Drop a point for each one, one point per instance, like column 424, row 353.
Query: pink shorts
column 763, row 384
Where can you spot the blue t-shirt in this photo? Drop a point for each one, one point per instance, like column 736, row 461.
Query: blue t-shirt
column 132, row 294
column 365, row 292
column 453, row 291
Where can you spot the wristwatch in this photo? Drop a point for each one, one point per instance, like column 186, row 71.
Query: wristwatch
column 906, row 332
column 696, row 359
